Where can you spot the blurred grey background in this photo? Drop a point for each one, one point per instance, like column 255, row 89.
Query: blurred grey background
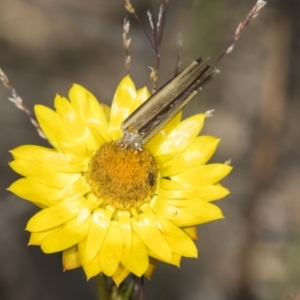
column 254, row 253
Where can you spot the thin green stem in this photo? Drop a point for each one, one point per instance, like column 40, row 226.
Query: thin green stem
column 129, row 290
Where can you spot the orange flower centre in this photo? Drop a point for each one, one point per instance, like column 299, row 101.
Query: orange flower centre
column 122, row 177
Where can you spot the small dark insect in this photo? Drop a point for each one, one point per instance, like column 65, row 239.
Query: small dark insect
column 151, row 179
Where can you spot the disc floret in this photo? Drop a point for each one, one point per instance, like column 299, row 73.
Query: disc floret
column 122, row 177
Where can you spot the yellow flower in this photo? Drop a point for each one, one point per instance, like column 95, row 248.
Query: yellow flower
column 110, row 209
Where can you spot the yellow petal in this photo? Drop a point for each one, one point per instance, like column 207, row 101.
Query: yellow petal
column 182, row 135
column 71, row 258
column 59, row 162
column 174, row 259
column 161, row 159
column 91, row 111
column 111, row 250
column 179, row 242
column 121, row 106
column 76, row 190
column 152, row 264
column 32, row 191
column 136, row 259
column 153, row 144
column 203, row 175
column 202, row 193
column 152, row 237
column 120, row 275
column 81, row 137
column 182, row 203
column 141, row 96
column 54, row 129
column 47, row 196
column 125, row 223
column 36, row 238
column 198, row 153
column 177, row 215
column 191, row 231
column 106, row 110
column 69, row 235
column 42, row 174
column 87, row 105
column 55, row 215
column 98, row 135
column 91, row 268
column 147, row 210
column 168, row 184
column 98, row 230
column 205, row 212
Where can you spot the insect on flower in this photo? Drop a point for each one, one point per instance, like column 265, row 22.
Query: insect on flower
column 151, row 179
column 163, row 105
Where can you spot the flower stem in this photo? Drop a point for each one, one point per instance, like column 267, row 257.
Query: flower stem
column 102, row 288
column 106, row 291
column 129, row 291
